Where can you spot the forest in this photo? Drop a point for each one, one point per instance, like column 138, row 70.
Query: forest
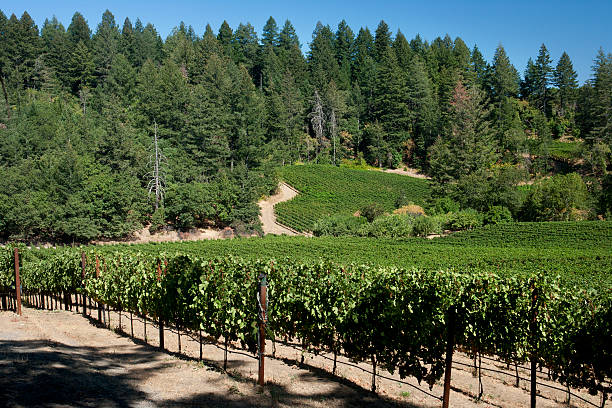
column 107, row 129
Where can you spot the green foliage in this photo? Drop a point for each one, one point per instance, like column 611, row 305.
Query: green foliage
column 338, row 225
column 497, row 214
column 331, row 307
column 329, row 190
column 424, row 226
column 391, row 226
column 464, row 219
column 372, row 211
column 443, row 205
column 561, row 197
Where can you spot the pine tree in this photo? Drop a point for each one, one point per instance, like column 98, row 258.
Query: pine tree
column 390, row 102
column 422, row 103
column 323, row 63
column 364, row 70
column 180, row 48
column 81, row 68
column 542, row 79
column 288, row 37
column 56, row 49
column 402, row 49
column 225, row 38
column 505, row 79
column 79, row 30
column 382, row 40
column 343, row 43
column 601, row 110
column 528, row 83
column 468, row 146
column 480, row 68
column 246, row 46
column 566, row 79
column 106, row 43
column 269, row 35
column 128, row 41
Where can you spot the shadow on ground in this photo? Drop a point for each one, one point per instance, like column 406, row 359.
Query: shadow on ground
column 38, row 373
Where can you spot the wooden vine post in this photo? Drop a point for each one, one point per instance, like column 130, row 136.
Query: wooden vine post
column 97, row 276
column 533, row 326
column 450, row 347
column 262, row 302
column 17, row 282
column 83, row 274
column 161, row 321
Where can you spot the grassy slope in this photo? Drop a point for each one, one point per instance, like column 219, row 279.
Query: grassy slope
column 329, row 190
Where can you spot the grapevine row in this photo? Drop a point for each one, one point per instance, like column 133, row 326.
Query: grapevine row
column 396, row 317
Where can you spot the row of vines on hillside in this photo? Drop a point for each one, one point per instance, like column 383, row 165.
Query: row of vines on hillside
column 396, row 317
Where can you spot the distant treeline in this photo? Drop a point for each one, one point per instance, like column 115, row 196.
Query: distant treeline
column 81, row 109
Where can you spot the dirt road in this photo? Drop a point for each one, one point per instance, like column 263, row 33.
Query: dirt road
column 267, row 216
column 62, row 359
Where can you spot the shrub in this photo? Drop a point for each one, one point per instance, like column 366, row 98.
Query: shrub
column 411, row 209
column 338, row 225
column 372, row 211
column 556, row 199
column 424, row 226
column 444, row 205
column 392, row 226
column 465, row 219
column 497, row 214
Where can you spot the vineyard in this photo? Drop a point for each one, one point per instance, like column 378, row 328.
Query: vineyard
column 580, row 252
column 330, row 190
column 399, row 319
column 522, row 292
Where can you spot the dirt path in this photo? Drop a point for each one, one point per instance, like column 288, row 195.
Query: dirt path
column 267, row 216
column 59, row 358
column 408, row 172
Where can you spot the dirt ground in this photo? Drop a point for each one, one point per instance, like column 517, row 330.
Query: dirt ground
column 406, row 171
column 62, row 359
column 267, row 216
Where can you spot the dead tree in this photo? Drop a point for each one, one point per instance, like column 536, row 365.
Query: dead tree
column 157, row 182
column 333, row 127
column 317, row 118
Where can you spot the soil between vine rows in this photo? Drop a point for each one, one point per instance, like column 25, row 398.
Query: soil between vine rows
column 59, row 358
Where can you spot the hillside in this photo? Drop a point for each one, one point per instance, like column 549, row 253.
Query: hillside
column 329, row 190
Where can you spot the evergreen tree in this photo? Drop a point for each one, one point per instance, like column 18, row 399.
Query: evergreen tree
column 147, row 44
column 81, row 68
column 180, row 48
column 402, row 50
column 382, row 40
column 225, row 38
column 468, row 146
column 421, row 101
column 505, row 79
column 246, row 46
column 601, row 110
column 529, row 82
column 566, row 79
column 56, row 49
column 128, row 41
column 480, row 68
column 322, row 59
column 343, row 43
column 270, row 36
column 79, row 30
column 542, row 79
column 106, row 43
column 364, row 70
column 288, row 37
column 391, row 102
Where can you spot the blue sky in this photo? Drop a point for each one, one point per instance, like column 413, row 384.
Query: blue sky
column 578, row 27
